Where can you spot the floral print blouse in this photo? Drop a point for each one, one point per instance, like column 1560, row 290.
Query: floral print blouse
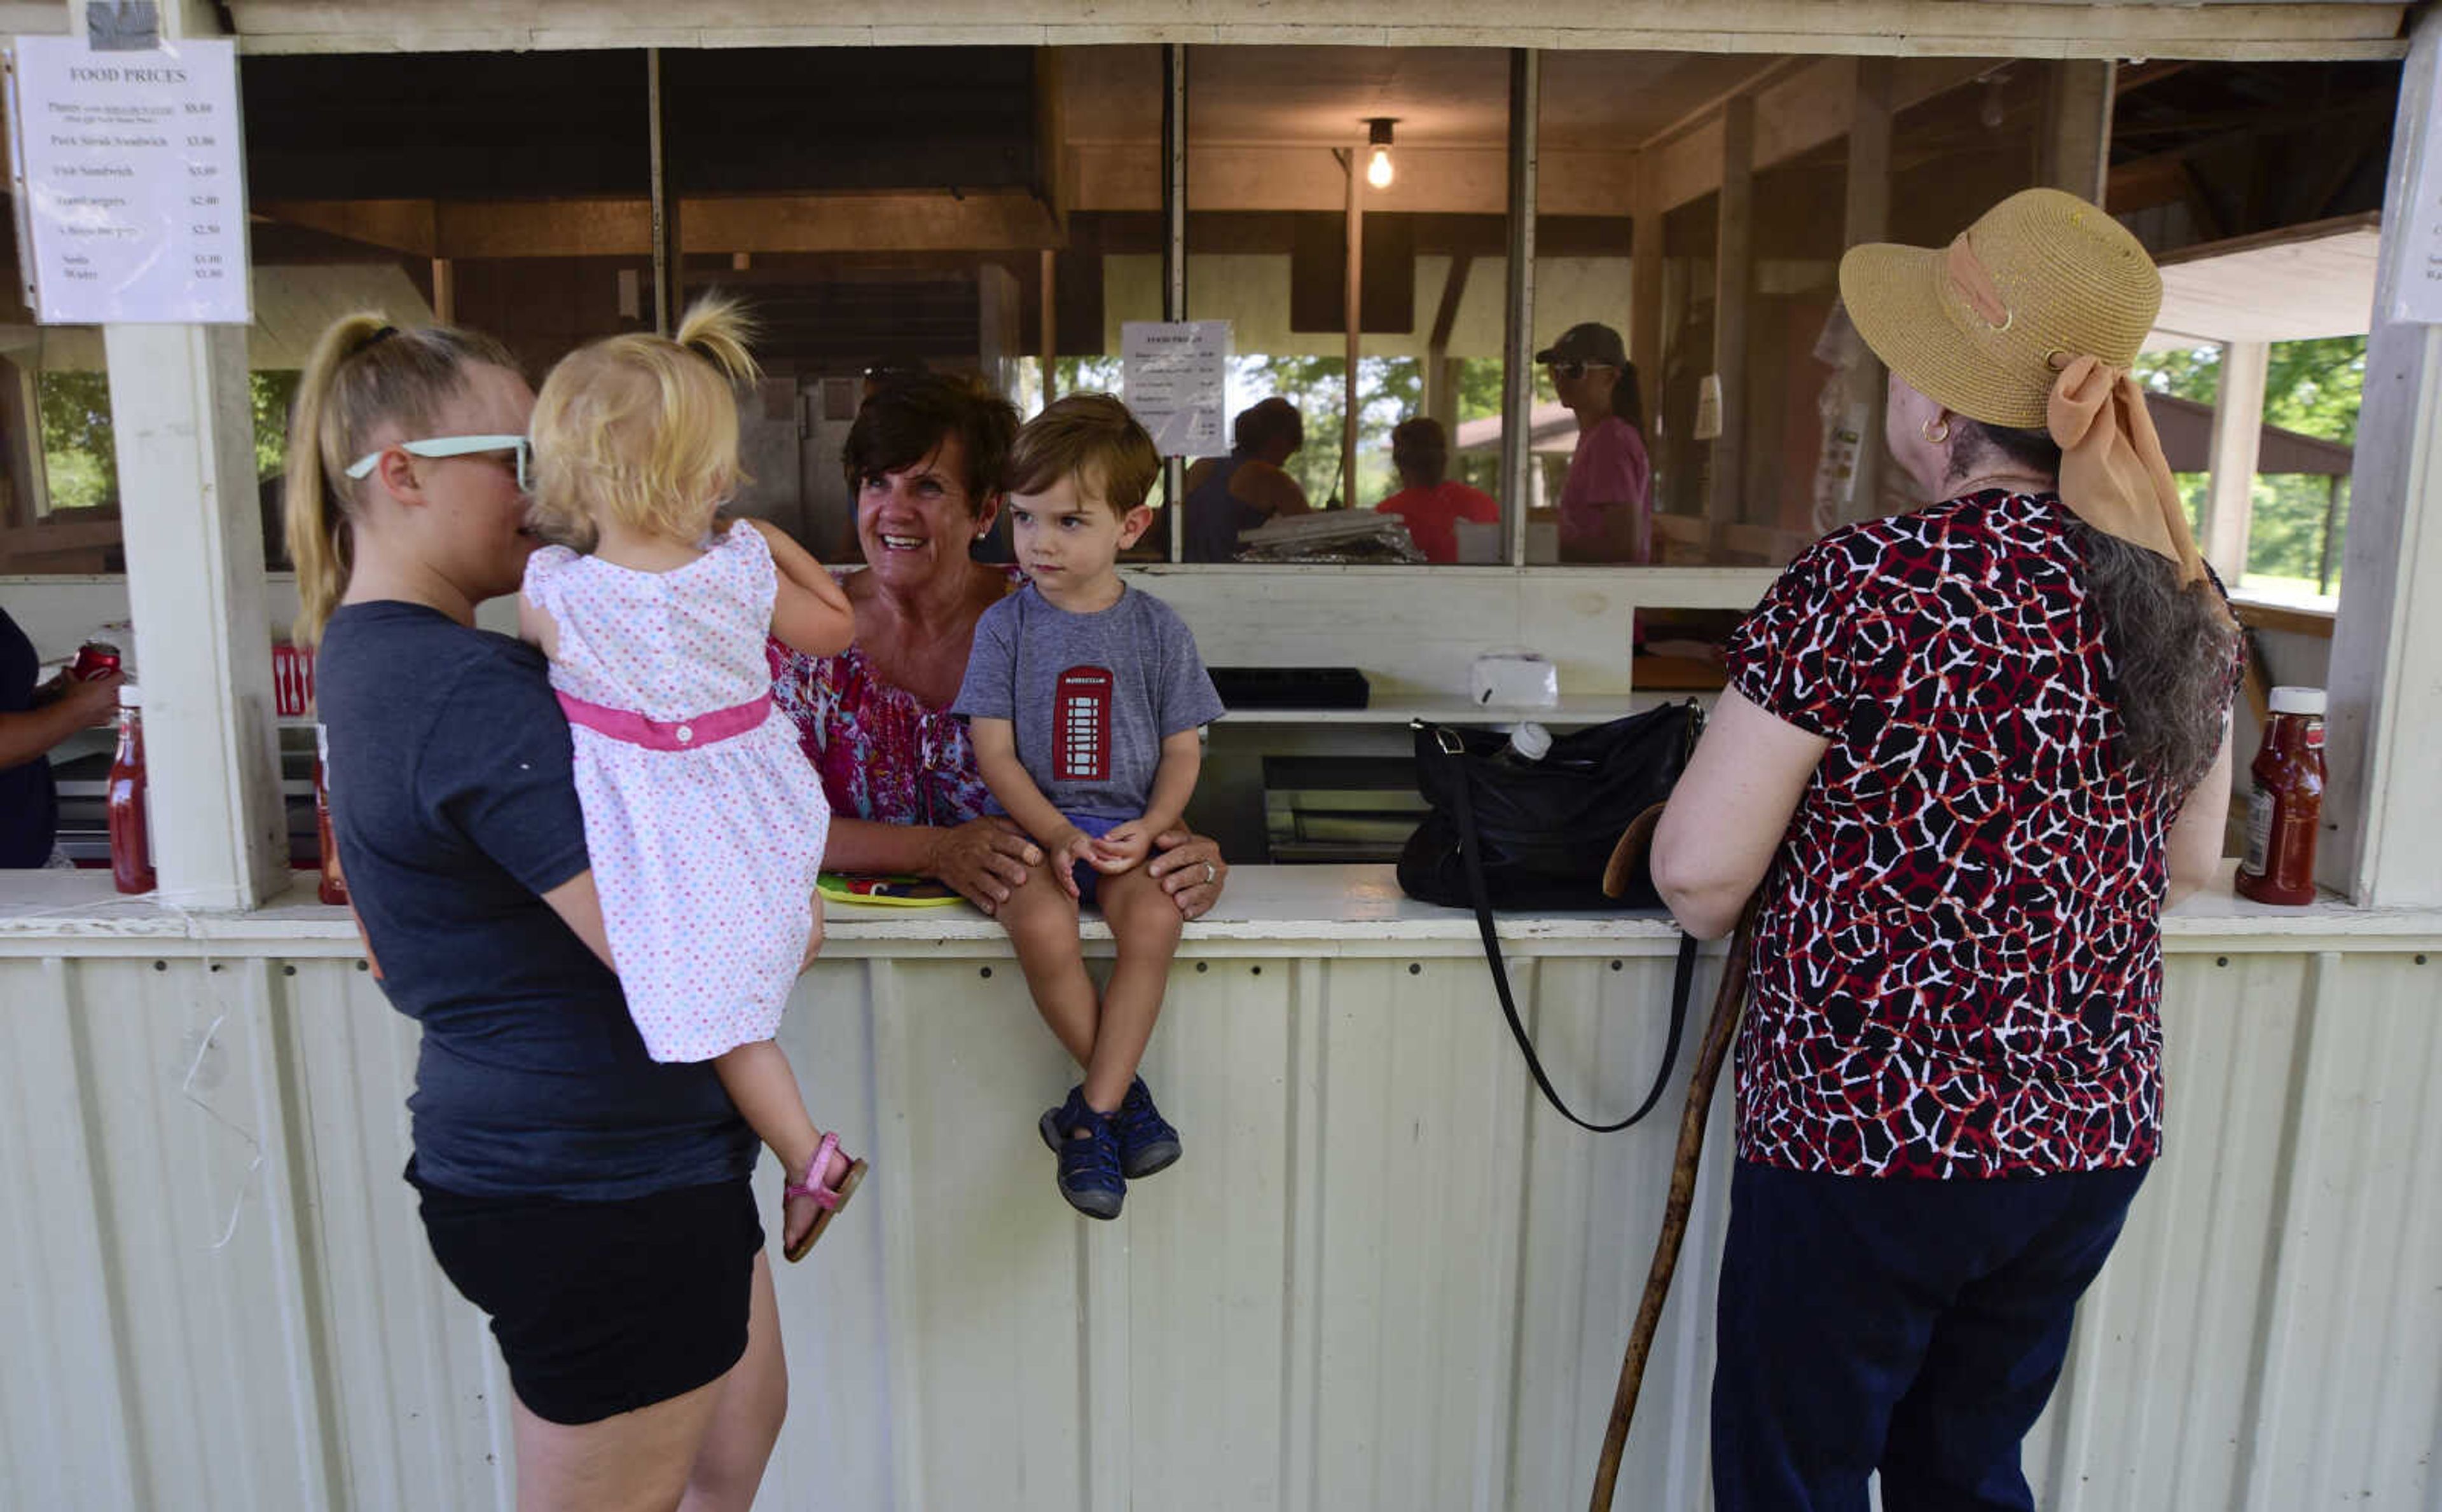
column 882, row 753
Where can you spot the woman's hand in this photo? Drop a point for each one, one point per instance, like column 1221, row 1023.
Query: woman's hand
column 1189, row 868
column 983, row 859
column 91, row 704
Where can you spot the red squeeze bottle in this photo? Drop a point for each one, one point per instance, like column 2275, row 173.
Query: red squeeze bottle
column 334, row 889
column 2287, row 807
column 131, row 838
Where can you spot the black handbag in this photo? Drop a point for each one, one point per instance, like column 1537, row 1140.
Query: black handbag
column 1505, row 832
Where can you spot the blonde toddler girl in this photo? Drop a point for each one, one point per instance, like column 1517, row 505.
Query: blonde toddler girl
column 704, row 820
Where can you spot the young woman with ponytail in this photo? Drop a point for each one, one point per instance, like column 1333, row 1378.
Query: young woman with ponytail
column 595, row 1202
column 1970, row 754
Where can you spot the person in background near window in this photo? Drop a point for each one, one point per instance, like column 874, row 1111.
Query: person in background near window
column 1970, row 753
column 1429, row 502
column 34, row 717
column 1227, row 495
column 1607, row 504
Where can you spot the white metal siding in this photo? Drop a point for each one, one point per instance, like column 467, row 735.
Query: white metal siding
column 1383, row 1277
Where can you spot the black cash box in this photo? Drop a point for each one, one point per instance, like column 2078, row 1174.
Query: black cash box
column 1291, row 688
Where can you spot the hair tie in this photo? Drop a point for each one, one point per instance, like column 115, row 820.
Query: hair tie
column 378, row 337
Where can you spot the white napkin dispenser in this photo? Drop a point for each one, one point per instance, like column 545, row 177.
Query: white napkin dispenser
column 1513, row 680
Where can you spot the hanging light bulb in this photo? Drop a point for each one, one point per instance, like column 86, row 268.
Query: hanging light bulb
column 1379, row 171
column 1996, row 108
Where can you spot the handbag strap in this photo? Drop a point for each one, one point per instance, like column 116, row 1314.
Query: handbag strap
column 1683, row 980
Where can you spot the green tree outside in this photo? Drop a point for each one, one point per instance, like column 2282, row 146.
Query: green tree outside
column 2313, row 388
column 79, row 447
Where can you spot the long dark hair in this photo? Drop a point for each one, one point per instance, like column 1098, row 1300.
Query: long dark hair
column 1627, row 399
column 2172, row 647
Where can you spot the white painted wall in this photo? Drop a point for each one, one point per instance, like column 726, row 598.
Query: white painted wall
column 1382, row 1278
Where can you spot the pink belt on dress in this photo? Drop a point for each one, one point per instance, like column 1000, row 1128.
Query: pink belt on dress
column 668, row 734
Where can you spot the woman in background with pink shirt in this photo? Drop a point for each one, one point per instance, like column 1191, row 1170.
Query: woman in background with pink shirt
column 1607, row 504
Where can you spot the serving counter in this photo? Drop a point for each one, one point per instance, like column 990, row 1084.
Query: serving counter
column 1384, row 1276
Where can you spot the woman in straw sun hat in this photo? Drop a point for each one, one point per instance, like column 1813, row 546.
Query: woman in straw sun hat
column 1969, row 753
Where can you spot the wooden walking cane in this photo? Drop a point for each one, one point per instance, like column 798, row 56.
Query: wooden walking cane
column 1626, row 859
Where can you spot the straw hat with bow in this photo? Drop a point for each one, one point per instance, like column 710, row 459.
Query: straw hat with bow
column 2029, row 321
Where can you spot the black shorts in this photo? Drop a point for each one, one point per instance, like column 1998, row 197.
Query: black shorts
column 603, row 1307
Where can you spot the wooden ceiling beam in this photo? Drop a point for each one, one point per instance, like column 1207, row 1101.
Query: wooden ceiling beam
column 999, row 220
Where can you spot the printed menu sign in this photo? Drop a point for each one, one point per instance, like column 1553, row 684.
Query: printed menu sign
column 129, row 182
column 1177, row 382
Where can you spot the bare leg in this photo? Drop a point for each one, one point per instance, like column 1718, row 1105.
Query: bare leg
column 1040, row 919
column 746, row 1421
column 1145, row 923
column 635, row 1462
column 759, row 1081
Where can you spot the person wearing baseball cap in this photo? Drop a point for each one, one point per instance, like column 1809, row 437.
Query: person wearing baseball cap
column 1968, row 754
column 1606, row 502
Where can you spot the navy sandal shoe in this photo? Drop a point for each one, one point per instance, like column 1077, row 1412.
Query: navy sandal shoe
column 1089, row 1165
column 1147, row 1142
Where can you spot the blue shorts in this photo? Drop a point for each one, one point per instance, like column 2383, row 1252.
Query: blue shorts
column 1097, row 825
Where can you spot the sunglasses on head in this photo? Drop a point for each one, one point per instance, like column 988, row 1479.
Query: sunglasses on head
column 1577, row 370
column 457, row 446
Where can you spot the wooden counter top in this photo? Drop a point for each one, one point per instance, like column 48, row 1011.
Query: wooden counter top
column 1331, row 910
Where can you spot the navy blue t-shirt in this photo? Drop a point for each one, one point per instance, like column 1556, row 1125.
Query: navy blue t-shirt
column 455, row 807
column 29, row 806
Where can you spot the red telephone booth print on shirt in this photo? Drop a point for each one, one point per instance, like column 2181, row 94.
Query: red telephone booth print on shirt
column 1080, row 725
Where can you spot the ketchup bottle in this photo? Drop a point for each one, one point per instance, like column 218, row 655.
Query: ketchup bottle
column 334, row 889
column 2287, row 807
column 131, row 836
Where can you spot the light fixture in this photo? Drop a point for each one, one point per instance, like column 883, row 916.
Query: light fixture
column 1379, row 171
column 1997, row 107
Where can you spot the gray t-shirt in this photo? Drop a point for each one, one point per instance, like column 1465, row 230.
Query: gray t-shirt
column 1091, row 695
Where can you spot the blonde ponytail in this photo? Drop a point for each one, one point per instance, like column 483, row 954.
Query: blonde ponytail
column 318, row 534
column 363, row 372
column 716, row 328
column 642, row 429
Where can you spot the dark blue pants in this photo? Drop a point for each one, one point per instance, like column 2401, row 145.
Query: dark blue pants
column 1910, row 1326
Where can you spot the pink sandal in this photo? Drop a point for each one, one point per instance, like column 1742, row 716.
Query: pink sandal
column 831, row 1199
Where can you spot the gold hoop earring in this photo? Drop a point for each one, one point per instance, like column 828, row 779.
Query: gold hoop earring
column 1936, row 431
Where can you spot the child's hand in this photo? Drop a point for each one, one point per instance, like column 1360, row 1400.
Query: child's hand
column 1123, row 847
column 1068, row 848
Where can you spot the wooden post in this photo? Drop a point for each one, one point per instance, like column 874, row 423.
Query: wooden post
column 1867, row 219
column 1174, row 257
column 2331, row 524
column 2237, row 431
column 445, row 291
column 1518, row 332
column 669, row 263
column 1733, row 274
column 193, row 527
column 2383, row 811
column 1352, row 296
column 1645, row 258
column 2077, row 137
column 1051, row 326
column 1441, row 386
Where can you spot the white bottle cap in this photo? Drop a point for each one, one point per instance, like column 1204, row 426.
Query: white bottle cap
column 130, row 696
column 2298, row 700
column 1530, row 740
